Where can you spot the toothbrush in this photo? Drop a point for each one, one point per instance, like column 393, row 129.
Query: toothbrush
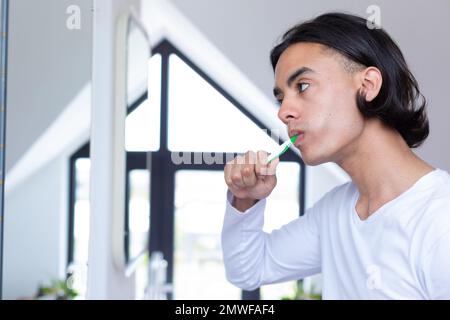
column 282, row 149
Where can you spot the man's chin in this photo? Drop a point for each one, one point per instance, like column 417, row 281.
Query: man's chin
column 312, row 160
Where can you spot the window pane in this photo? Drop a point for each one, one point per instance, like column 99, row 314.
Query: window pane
column 139, row 226
column 283, row 204
column 282, row 207
column 141, row 278
column 202, row 120
column 139, row 211
column 137, row 55
column 78, row 268
column 142, row 127
column 198, row 266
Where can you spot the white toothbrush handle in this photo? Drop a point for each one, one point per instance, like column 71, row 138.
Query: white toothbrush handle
column 277, row 152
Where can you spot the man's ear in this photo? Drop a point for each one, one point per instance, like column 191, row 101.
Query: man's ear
column 371, row 82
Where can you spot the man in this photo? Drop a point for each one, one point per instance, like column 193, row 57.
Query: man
column 347, row 92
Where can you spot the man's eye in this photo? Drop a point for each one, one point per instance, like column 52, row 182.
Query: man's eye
column 280, row 101
column 302, row 86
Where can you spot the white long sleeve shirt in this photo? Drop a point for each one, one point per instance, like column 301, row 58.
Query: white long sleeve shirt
column 402, row 251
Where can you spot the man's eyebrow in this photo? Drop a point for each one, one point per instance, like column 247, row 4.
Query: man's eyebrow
column 297, row 73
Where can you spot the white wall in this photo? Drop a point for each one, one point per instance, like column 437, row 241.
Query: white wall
column 35, row 231
column 48, row 65
column 245, row 31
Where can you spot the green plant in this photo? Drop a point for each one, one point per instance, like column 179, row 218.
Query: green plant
column 59, row 290
column 300, row 294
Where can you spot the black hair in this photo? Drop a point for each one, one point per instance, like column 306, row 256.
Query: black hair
column 399, row 104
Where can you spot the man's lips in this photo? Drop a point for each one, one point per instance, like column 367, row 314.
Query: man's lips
column 294, row 132
column 300, row 133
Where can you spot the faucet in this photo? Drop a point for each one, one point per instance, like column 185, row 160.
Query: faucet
column 157, row 287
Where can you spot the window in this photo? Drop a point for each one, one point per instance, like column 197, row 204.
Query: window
column 139, row 208
column 201, row 119
column 138, row 224
column 142, row 126
column 199, row 207
column 141, row 135
column 214, row 124
column 136, row 229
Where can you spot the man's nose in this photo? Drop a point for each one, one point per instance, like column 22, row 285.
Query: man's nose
column 288, row 111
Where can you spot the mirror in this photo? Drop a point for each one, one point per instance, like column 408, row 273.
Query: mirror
column 137, row 60
column 133, row 235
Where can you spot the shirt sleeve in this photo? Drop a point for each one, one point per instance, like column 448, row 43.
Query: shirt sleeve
column 437, row 269
column 253, row 257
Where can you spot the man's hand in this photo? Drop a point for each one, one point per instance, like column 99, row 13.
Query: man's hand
column 250, row 178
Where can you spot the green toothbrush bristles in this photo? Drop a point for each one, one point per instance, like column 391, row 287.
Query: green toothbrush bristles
column 294, row 138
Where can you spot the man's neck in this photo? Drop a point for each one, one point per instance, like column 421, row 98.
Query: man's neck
column 382, row 166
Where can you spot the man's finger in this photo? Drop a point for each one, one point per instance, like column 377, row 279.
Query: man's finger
column 272, row 167
column 261, row 164
column 248, row 170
